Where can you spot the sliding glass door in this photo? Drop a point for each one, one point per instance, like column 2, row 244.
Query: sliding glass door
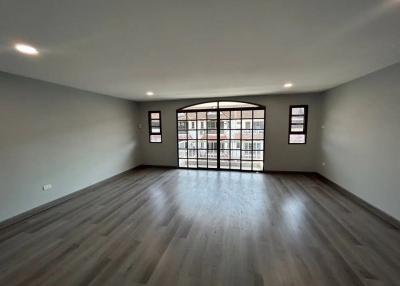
column 221, row 135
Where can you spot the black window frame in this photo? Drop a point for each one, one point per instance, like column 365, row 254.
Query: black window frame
column 305, row 124
column 215, row 161
column 150, row 125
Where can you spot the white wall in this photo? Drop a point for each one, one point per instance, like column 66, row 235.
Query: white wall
column 360, row 143
column 56, row 135
column 278, row 156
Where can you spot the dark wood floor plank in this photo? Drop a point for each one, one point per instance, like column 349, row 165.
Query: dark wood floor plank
column 168, row 227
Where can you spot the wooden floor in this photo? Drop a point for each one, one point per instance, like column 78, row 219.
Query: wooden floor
column 186, row 227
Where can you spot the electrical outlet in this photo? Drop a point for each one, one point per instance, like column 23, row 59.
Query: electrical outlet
column 47, row 187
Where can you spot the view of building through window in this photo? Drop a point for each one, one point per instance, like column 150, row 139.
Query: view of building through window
column 229, row 138
column 155, row 127
column 298, row 124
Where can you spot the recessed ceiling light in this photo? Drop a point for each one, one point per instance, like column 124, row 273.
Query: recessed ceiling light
column 288, row 85
column 149, row 93
column 26, row 49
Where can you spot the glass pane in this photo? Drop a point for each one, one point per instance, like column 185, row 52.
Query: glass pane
column 202, row 124
column 237, row 114
column 201, row 115
column 191, row 115
column 258, row 145
column 224, row 114
column 246, row 134
column 181, row 116
column 235, row 154
column 224, row 164
column 224, row 134
column 202, row 164
column 192, row 153
column 297, row 128
column 258, row 124
column 235, row 164
column 224, row 144
column 182, row 144
column 154, row 115
column 297, row 110
column 258, row 155
column 258, row 166
column 212, row 124
column 235, row 134
column 235, row 144
column 224, row 124
column 246, row 145
column 192, row 163
column 297, row 119
column 297, row 139
column 246, row 165
column 212, row 164
column 235, row 104
column 224, row 154
column 183, row 163
column 183, row 153
column 258, row 134
column 247, row 124
column 212, row 145
column 258, row 113
column 155, row 130
column 192, row 144
column 202, row 153
column 182, row 135
column 201, row 134
column 207, row 105
column 212, row 115
column 155, row 138
column 155, row 123
column 236, row 124
column 182, row 125
column 212, row 134
column 246, row 155
column 191, row 125
column 202, row 144
column 212, row 154
column 247, row 114
column 192, row 134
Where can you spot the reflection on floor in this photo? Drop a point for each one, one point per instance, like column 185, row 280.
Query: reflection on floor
column 188, row 227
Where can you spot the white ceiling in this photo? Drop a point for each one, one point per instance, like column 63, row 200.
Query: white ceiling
column 199, row 48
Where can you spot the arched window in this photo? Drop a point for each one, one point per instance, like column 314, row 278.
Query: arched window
column 220, row 105
column 221, row 135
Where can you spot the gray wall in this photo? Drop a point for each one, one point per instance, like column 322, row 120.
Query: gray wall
column 278, row 156
column 360, row 142
column 71, row 139
column 61, row 136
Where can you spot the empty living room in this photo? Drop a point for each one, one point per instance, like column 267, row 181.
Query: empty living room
column 204, row 143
